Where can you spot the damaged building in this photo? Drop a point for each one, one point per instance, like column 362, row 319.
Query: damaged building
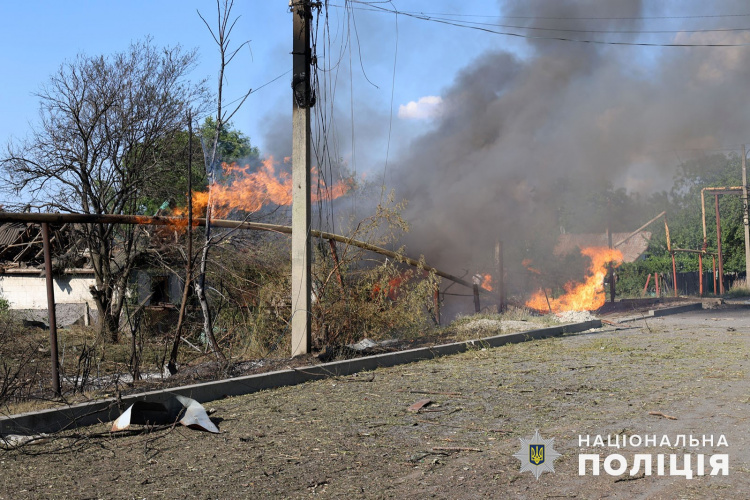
column 23, row 285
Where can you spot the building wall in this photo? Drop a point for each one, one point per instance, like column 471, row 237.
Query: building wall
column 30, row 292
column 147, row 282
column 27, row 294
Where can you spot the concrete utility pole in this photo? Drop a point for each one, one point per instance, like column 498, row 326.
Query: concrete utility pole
column 745, row 214
column 301, row 251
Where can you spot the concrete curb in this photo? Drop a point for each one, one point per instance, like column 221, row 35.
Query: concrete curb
column 104, row 410
column 667, row 311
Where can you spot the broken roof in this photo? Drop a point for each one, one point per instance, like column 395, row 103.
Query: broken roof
column 21, row 245
column 10, row 233
column 631, row 249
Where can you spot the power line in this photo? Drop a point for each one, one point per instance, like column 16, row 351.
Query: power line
column 252, row 91
column 557, row 18
column 458, row 24
column 569, row 30
column 390, row 118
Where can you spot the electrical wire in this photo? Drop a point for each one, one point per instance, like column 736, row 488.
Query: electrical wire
column 390, row 117
column 474, row 26
column 570, row 30
column 562, row 18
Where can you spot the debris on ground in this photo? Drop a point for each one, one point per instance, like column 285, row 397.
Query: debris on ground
column 419, row 405
column 660, row 414
column 574, row 316
column 180, row 409
column 364, row 347
column 12, row 441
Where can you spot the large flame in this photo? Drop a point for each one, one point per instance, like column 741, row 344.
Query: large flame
column 586, row 296
column 249, row 191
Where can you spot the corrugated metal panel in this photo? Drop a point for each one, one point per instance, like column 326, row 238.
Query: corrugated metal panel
column 631, row 249
column 10, row 232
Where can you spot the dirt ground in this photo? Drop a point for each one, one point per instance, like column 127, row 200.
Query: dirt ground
column 353, row 437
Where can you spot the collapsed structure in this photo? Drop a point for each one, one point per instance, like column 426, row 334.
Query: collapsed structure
column 22, row 275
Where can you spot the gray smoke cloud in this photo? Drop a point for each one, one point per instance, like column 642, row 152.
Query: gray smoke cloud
column 514, row 125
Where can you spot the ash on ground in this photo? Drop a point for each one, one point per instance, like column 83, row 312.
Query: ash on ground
column 497, row 326
column 574, row 316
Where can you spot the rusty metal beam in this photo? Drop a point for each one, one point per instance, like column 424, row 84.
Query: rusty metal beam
column 718, row 247
column 51, row 310
column 688, row 250
column 724, row 190
column 626, row 238
column 230, row 224
column 715, row 191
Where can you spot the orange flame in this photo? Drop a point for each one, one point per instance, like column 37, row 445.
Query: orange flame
column 391, row 290
column 486, row 280
column 250, row 191
column 586, row 296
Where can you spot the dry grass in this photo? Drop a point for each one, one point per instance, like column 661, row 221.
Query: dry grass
column 89, row 367
column 739, row 288
column 515, row 319
column 352, row 437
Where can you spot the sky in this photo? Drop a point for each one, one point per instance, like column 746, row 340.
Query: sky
column 478, row 130
column 39, row 35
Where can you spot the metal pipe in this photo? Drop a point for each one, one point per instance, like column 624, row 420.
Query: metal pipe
column 689, row 250
column 718, row 246
column 51, row 310
column 626, row 238
column 674, row 274
column 700, row 274
column 230, row 224
column 703, row 215
column 715, row 191
column 745, row 215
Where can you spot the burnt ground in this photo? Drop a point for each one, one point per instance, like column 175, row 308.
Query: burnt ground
column 353, row 437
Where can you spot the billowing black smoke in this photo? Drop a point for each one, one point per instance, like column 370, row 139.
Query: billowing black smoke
column 517, row 132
